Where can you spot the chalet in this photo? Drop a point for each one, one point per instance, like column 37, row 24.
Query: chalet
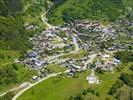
column 34, row 77
column 111, row 49
column 70, row 74
column 32, row 54
column 92, row 79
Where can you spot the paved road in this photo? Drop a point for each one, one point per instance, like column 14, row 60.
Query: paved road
column 76, row 44
column 52, row 75
column 77, row 49
column 49, row 59
column 17, row 88
column 30, row 86
column 89, row 60
column 44, row 19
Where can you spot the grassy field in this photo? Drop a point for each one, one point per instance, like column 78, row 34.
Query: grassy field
column 69, row 87
column 62, row 88
column 56, row 68
column 75, row 56
column 107, row 80
column 56, row 88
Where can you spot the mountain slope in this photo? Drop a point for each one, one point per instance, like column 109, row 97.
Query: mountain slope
column 103, row 10
column 13, row 15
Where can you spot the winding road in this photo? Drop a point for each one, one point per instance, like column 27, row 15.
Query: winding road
column 31, row 85
column 89, row 60
column 45, row 20
column 51, row 59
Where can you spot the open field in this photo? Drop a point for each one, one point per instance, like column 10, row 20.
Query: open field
column 56, row 68
column 75, row 56
column 53, row 88
column 69, row 87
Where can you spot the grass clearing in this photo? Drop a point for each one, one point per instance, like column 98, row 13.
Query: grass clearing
column 53, row 88
column 75, row 56
column 56, row 88
column 69, row 87
column 56, row 68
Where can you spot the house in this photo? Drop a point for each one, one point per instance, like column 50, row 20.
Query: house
column 70, row 74
column 32, row 54
column 105, row 56
column 111, row 49
column 116, row 61
column 92, row 79
column 77, row 68
column 34, row 77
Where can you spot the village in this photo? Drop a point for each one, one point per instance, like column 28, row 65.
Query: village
column 55, row 45
column 76, row 48
column 66, row 50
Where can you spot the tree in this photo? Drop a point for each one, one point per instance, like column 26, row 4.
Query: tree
column 124, row 56
column 131, row 68
column 127, row 79
column 78, row 97
column 84, row 92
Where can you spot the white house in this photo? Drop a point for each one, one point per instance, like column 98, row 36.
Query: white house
column 92, row 79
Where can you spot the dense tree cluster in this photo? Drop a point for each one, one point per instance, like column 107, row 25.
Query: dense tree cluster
column 125, row 94
column 37, row 7
column 124, row 79
column 124, row 56
column 13, row 74
column 118, row 84
column 10, row 6
column 12, row 31
column 8, row 74
column 83, row 93
column 131, row 68
column 103, row 10
column 127, row 79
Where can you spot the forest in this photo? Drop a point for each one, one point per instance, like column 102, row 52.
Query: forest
column 12, row 32
column 13, row 44
column 13, row 16
column 102, row 10
column 124, row 56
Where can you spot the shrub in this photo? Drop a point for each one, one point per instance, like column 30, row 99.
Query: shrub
column 131, row 68
column 78, row 97
column 118, row 84
column 84, row 92
column 127, row 78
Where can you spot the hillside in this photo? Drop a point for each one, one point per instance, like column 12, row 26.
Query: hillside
column 103, row 10
column 14, row 14
column 42, row 37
